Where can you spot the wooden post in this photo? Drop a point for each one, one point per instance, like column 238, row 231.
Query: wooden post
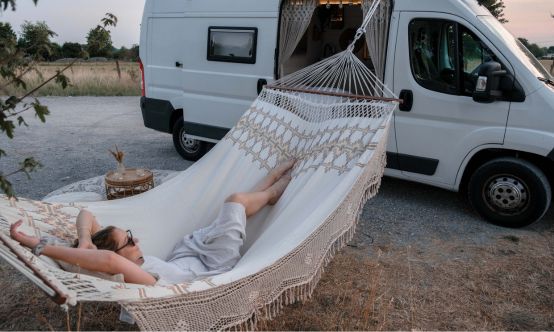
column 118, row 69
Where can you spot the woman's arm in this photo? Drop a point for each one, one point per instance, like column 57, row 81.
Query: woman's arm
column 87, row 225
column 90, row 259
column 101, row 261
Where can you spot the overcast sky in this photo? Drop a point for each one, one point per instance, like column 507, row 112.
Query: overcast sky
column 72, row 19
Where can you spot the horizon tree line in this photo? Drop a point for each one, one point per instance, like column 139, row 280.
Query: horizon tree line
column 35, row 39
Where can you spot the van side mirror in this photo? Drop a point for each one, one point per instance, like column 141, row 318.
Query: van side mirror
column 487, row 88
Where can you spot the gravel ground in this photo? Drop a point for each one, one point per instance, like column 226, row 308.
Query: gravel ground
column 428, row 227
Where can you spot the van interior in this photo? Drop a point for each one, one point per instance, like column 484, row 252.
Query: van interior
column 332, row 28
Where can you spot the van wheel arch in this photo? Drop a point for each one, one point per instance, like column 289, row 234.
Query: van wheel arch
column 175, row 115
column 492, row 174
column 545, row 164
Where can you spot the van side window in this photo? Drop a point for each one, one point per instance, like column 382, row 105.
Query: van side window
column 433, row 54
column 445, row 56
column 232, row 44
column 474, row 55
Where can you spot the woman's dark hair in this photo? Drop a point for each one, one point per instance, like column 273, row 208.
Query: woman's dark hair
column 102, row 239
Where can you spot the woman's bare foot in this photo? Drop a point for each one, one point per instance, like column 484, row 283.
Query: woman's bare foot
column 274, row 175
column 278, row 189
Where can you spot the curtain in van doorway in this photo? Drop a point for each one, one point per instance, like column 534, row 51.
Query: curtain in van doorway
column 296, row 16
column 377, row 34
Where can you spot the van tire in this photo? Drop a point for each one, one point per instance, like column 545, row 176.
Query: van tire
column 189, row 149
column 510, row 192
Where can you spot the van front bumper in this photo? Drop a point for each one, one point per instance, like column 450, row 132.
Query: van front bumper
column 156, row 114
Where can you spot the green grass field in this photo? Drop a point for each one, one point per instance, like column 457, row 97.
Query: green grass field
column 86, row 79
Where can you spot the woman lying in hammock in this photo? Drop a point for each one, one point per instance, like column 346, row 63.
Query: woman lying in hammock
column 207, row 251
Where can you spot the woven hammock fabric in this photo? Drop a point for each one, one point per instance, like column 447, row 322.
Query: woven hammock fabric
column 324, row 117
column 341, row 161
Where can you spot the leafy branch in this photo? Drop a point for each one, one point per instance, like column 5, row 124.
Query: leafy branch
column 16, row 61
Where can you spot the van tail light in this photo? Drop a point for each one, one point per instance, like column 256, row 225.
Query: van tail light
column 142, row 82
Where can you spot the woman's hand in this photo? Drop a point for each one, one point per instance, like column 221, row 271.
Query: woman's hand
column 26, row 240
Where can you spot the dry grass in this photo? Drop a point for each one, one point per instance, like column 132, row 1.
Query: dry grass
column 86, row 79
column 549, row 65
column 446, row 286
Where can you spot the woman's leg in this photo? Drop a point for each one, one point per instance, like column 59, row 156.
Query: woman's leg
column 274, row 175
column 255, row 201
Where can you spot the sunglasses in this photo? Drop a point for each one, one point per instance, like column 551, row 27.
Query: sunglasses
column 130, row 241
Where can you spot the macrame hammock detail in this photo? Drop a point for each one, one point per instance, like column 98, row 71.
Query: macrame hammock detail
column 333, row 117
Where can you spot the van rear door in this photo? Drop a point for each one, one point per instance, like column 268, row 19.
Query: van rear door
column 227, row 51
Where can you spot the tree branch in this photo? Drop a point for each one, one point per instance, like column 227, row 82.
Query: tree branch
column 30, row 93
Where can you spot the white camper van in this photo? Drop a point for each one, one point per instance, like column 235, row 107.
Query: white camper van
column 478, row 111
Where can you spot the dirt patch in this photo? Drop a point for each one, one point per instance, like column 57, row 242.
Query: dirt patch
column 442, row 286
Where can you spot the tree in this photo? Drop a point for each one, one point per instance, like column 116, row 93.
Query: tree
column 99, row 42
column 16, row 60
column 99, row 39
column 6, row 33
column 127, row 54
column 4, row 4
column 72, row 50
column 134, row 52
column 56, row 52
column 35, row 39
column 496, row 7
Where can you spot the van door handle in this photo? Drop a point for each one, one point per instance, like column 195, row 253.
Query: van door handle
column 178, row 64
column 407, row 97
column 261, row 83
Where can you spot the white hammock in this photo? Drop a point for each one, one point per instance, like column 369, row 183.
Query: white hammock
column 326, row 117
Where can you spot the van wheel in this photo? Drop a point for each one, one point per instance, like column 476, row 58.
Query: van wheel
column 509, row 192
column 189, row 149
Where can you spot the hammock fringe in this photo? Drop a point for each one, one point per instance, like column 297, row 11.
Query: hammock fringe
column 371, row 183
column 350, row 209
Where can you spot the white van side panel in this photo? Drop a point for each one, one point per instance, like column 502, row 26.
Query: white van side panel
column 193, row 6
column 441, row 126
column 218, row 93
column 211, row 93
column 531, row 123
column 163, row 80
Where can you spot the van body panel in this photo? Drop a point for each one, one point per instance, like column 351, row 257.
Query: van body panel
column 531, row 124
column 210, row 6
column 176, row 65
column 447, row 126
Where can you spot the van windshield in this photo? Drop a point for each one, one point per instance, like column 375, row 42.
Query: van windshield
column 516, row 46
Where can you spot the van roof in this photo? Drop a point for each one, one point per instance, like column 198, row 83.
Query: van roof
column 460, row 7
column 471, row 7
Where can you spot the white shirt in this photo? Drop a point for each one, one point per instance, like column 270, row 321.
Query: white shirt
column 208, row 251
